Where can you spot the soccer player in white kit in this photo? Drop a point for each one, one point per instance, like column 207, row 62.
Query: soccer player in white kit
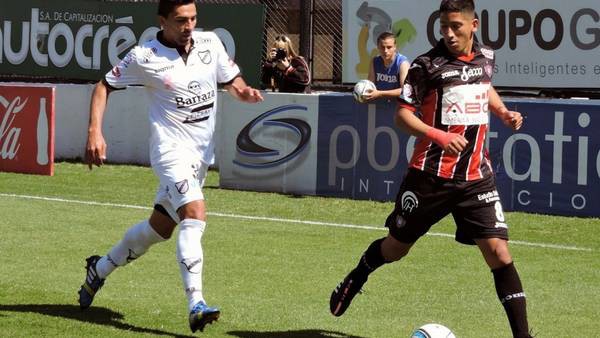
column 180, row 70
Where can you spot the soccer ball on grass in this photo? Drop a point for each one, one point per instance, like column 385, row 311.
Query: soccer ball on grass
column 433, row 331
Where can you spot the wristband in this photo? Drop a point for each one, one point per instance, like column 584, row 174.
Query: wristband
column 439, row 137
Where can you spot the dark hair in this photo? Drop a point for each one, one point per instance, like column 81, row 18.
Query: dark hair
column 165, row 7
column 385, row 36
column 448, row 6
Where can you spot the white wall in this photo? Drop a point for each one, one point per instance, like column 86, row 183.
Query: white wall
column 126, row 127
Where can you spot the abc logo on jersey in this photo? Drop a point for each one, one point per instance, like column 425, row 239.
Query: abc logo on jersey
column 272, row 133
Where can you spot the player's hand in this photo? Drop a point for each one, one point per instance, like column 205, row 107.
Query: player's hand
column 95, row 149
column 513, row 119
column 457, row 143
column 451, row 143
column 371, row 95
column 249, row 94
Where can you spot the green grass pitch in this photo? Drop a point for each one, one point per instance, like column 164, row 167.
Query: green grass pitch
column 271, row 274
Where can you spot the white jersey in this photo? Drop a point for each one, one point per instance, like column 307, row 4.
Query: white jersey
column 183, row 93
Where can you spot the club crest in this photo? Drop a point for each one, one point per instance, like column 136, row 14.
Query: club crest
column 205, row 56
column 489, row 70
column 409, row 202
column 182, row 186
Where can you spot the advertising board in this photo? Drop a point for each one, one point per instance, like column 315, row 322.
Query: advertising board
column 538, row 43
column 83, row 39
column 27, row 129
column 270, row 146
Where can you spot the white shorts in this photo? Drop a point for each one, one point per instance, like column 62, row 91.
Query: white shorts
column 181, row 182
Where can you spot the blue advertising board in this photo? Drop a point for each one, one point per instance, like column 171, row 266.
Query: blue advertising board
column 550, row 166
column 361, row 153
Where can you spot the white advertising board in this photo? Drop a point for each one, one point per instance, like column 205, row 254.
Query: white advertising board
column 269, row 146
column 538, row 43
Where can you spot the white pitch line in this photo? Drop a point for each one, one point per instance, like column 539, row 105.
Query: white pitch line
column 283, row 220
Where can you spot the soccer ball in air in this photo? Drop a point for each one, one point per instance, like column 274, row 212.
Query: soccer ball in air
column 433, row 331
column 361, row 88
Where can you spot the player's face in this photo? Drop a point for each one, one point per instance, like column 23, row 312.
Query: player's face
column 458, row 29
column 179, row 25
column 387, row 49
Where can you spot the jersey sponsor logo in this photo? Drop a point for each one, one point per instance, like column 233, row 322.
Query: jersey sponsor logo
column 200, row 114
column 194, row 87
column 488, row 53
column 387, row 78
column 489, row 70
column 501, row 225
column 489, row 197
column 183, row 102
column 182, row 186
column 451, row 73
column 465, row 105
column 468, row 73
column 164, row 69
column 205, row 56
column 253, row 155
column 409, row 202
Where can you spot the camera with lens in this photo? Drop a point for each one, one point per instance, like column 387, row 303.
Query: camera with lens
column 280, row 54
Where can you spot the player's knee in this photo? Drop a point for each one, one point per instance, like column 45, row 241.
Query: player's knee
column 393, row 250
column 495, row 252
column 503, row 255
column 193, row 210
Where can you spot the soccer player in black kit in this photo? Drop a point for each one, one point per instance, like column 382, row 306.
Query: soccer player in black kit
column 450, row 172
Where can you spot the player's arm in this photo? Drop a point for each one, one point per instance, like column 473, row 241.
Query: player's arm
column 511, row 119
column 373, row 94
column 95, row 149
column 241, row 91
column 371, row 75
column 404, row 67
column 406, row 120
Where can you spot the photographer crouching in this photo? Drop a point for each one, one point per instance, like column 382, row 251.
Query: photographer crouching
column 284, row 69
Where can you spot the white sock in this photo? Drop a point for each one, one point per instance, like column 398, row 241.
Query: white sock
column 190, row 258
column 134, row 244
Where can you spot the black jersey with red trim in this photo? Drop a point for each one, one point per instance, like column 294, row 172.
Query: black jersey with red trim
column 451, row 94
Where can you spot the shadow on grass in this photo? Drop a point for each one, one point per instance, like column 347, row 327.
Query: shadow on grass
column 314, row 333
column 94, row 315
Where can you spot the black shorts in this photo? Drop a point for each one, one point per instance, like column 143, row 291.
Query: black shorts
column 424, row 199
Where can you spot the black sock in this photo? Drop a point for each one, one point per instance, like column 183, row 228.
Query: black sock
column 511, row 295
column 370, row 260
